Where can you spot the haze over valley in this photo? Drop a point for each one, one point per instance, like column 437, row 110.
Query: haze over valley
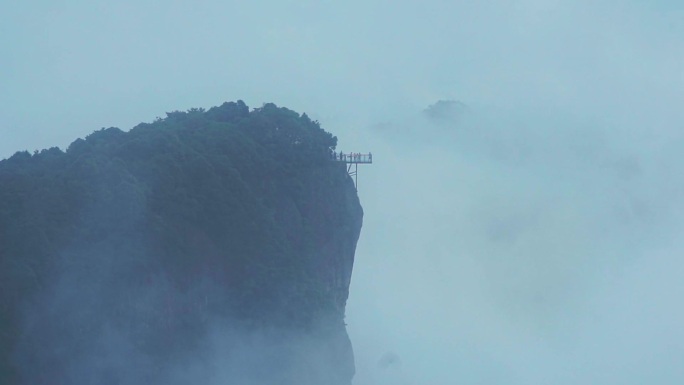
column 522, row 217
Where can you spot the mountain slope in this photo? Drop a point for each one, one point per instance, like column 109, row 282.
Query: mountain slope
column 206, row 246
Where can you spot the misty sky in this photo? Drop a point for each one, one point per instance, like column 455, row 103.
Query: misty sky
column 534, row 243
column 70, row 67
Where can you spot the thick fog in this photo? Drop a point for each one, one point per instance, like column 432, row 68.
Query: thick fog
column 530, row 236
column 505, row 250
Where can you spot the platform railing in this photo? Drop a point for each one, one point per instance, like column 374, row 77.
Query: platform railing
column 352, row 157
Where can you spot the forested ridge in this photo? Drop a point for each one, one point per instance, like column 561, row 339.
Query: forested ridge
column 221, row 215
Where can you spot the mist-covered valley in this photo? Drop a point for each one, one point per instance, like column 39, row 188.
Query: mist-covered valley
column 523, row 212
column 504, row 248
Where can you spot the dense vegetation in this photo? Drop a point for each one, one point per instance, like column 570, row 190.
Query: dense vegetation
column 205, row 215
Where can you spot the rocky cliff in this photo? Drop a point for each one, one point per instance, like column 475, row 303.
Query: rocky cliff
column 207, row 247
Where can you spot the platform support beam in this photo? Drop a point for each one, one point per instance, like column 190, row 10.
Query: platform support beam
column 354, row 174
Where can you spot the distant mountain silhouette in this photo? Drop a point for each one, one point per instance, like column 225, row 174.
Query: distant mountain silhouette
column 446, row 111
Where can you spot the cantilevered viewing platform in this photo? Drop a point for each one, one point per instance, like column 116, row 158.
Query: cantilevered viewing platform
column 353, row 159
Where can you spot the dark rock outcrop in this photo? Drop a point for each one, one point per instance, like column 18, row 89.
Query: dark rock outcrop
column 207, row 247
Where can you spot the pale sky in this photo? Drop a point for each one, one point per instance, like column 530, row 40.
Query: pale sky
column 70, row 67
column 537, row 245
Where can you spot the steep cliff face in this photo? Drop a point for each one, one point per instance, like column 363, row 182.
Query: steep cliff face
column 207, row 247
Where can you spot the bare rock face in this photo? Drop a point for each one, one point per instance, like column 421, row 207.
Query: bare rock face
column 209, row 247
